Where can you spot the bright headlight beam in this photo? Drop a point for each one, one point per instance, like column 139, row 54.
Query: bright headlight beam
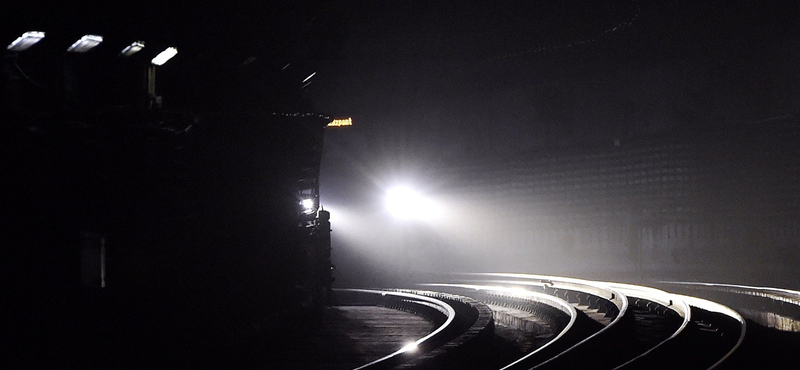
column 25, row 41
column 164, row 56
column 85, row 43
column 405, row 203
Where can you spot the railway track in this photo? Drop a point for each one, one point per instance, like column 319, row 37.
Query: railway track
column 518, row 321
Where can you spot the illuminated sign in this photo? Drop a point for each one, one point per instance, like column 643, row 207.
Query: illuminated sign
column 338, row 122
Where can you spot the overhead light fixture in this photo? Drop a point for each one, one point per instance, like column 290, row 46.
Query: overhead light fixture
column 25, row 41
column 132, row 49
column 309, row 77
column 164, row 56
column 85, row 43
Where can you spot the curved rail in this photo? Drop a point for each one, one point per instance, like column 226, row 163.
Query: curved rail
column 439, row 305
column 615, row 296
column 781, row 310
column 475, row 323
column 534, row 296
column 777, row 294
column 671, row 301
column 587, row 286
column 699, row 321
column 724, row 310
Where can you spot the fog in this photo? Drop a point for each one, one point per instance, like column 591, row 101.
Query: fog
column 618, row 139
column 687, row 206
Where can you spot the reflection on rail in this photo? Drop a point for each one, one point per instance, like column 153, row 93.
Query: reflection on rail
column 522, row 321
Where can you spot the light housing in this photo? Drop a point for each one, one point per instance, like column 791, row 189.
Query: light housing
column 25, row 41
column 164, row 56
column 85, row 43
column 309, row 77
column 308, row 206
column 131, row 49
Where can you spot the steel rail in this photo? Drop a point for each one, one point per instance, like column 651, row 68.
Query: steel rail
column 671, row 301
column 615, row 296
column 443, row 307
column 538, row 297
column 724, row 310
column 778, row 294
